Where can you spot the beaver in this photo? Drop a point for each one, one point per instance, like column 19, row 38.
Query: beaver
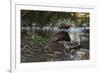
column 61, row 36
column 64, row 26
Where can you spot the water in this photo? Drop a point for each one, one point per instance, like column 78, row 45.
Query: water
column 71, row 29
column 36, row 53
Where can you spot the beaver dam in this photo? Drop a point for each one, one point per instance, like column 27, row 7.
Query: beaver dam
column 54, row 44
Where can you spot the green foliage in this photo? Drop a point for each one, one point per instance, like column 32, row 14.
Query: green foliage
column 42, row 18
column 38, row 40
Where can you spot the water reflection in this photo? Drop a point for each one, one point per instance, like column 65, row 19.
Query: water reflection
column 39, row 52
